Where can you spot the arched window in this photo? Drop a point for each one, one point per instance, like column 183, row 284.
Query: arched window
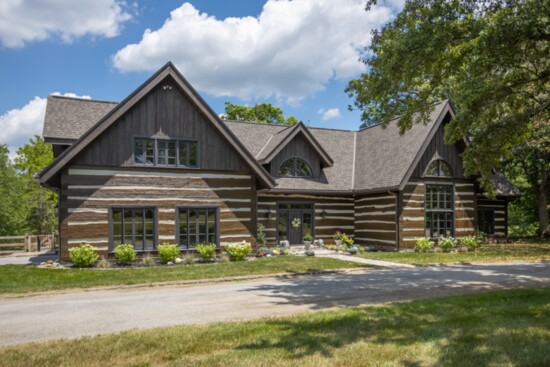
column 439, row 168
column 295, row 167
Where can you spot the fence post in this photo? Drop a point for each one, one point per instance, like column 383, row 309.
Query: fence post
column 27, row 245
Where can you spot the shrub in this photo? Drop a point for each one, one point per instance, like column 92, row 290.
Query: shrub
column 447, row 244
column 346, row 241
column 125, row 254
column 353, row 250
column 423, row 244
column 189, row 260
column 238, row 251
column 261, row 236
column 206, row 251
column 331, row 247
column 471, row 242
column 308, row 237
column 265, row 250
column 84, row 255
column 168, row 252
column 309, row 253
column 276, row 252
column 338, row 236
column 148, row 260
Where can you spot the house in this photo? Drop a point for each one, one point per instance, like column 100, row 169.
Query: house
column 161, row 166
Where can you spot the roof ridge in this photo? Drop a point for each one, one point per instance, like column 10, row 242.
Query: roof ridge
column 82, row 99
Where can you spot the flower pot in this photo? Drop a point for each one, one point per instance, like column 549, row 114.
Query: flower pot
column 338, row 244
column 307, row 244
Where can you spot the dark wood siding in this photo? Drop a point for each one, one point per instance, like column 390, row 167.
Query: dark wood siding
column 87, row 193
column 450, row 153
column 332, row 213
column 298, row 147
column 166, row 114
column 375, row 220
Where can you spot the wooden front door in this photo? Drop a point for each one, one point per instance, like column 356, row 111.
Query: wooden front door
column 295, row 233
column 286, row 214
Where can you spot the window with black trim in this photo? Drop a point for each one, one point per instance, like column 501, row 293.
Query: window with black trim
column 135, row 226
column 197, row 225
column 295, row 167
column 175, row 153
column 439, row 168
column 486, row 221
column 439, row 207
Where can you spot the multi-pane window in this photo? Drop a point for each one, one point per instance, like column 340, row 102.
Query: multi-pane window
column 295, row 167
column 439, row 168
column 166, row 152
column 439, row 211
column 486, row 221
column 197, row 225
column 135, row 226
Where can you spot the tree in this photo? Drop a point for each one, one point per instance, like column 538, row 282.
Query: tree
column 261, row 112
column 12, row 212
column 490, row 57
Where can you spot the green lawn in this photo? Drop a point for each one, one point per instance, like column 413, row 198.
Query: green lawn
column 26, row 278
column 505, row 328
column 486, row 253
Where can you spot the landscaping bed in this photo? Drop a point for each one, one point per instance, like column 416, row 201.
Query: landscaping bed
column 504, row 328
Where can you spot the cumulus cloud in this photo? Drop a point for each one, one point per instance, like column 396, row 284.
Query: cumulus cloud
column 23, row 21
column 17, row 126
column 292, row 49
column 329, row 114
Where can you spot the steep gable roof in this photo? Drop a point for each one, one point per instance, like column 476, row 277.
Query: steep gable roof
column 167, row 70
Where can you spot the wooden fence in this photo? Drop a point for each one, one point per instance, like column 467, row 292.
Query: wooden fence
column 28, row 242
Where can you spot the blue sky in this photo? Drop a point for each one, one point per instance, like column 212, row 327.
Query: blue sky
column 298, row 55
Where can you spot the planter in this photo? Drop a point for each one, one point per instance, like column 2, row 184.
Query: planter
column 338, row 244
column 307, row 244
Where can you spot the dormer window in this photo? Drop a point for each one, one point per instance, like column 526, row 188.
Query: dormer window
column 439, row 168
column 295, row 167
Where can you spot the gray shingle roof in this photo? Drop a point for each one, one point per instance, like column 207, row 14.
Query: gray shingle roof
column 69, row 118
column 502, row 186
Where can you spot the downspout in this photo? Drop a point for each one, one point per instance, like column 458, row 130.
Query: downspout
column 397, row 207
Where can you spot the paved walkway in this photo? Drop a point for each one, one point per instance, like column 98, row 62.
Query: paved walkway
column 72, row 315
column 24, row 258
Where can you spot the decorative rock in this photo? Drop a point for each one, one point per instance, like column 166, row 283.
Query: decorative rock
column 50, row 262
column 42, row 263
column 169, row 263
column 178, row 261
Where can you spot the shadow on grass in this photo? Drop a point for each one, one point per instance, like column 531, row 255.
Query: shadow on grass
column 506, row 327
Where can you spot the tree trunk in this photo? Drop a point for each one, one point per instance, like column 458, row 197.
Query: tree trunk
column 542, row 195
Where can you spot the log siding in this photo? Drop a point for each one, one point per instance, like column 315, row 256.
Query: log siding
column 375, row 220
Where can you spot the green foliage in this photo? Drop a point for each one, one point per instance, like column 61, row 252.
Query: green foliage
column 447, row 244
column 471, row 242
column 260, row 238
column 261, row 112
column 309, row 253
column 84, row 255
column 423, row 244
column 189, row 260
column 13, row 210
column 338, row 236
column 125, row 254
column 353, row 250
column 346, row 240
column 308, row 237
column 490, row 57
column 206, row 251
column 168, row 252
column 238, row 251
column 148, row 260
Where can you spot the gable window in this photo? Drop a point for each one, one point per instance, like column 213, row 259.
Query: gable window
column 197, row 225
column 439, row 168
column 135, row 226
column 295, row 167
column 439, row 209
column 486, row 221
column 176, row 153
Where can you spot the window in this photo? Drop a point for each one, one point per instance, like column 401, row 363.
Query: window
column 197, row 225
column 135, row 226
column 295, row 167
column 166, row 152
column 486, row 221
column 439, row 168
column 439, row 211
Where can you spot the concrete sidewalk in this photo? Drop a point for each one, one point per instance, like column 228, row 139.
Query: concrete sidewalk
column 24, row 258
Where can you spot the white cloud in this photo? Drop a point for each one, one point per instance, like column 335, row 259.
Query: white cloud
column 329, row 114
column 17, row 126
column 292, row 49
column 23, row 21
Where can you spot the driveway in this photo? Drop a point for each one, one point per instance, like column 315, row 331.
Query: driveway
column 75, row 314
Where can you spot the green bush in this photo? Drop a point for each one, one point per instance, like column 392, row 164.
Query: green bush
column 308, row 237
column 346, row 240
column 84, row 255
column 168, row 252
column 206, row 251
column 471, row 242
column 447, row 244
column 423, row 244
column 260, row 237
column 338, row 236
column 125, row 254
column 238, row 251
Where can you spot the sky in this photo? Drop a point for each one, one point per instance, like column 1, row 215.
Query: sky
column 296, row 54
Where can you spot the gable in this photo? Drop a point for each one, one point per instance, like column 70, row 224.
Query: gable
column 297, row 147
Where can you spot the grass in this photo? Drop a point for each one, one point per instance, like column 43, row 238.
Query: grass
column 486, row 253
column 504, row 328
column 25, row 278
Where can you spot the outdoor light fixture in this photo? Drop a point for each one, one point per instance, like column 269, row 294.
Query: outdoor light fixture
column 269, row 214
column 324, row 214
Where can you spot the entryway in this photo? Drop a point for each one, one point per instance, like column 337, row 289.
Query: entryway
column 294, row 220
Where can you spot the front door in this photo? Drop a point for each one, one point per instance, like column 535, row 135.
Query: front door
column 295, row 228
column 294, row 220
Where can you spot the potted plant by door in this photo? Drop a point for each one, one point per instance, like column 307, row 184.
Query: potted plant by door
column 307, row 241
column 338, row 239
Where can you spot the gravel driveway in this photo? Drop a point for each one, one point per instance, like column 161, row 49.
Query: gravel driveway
column 75, row 314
